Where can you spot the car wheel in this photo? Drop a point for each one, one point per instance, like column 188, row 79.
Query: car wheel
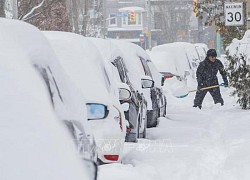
column 144, row 134
column 138, row 127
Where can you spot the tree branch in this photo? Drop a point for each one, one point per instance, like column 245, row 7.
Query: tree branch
column 32, row 11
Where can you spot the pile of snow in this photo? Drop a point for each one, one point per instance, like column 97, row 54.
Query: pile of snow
column 240, row 47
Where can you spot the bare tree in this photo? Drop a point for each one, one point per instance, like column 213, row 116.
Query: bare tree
column 2, row 5
column 45, row 14
column 173, row 19
column 95, row 25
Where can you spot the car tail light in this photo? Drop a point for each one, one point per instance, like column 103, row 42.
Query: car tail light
column 119, row 118
column 111, row 157
column 128, row 130
column 168, row 76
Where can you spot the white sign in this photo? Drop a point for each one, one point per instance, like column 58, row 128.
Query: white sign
column 234, row 14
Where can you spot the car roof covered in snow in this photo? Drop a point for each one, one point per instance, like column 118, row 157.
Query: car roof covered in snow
column 131, row 54
column 17, row 34
column 84, row 64
column 164, row 61
column 34, row 143
column 181, row 60
column 107, row 48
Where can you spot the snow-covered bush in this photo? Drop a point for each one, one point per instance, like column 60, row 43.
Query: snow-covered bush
column 239, row 77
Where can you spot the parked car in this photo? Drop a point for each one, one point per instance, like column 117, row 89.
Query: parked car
column 201, row 50
column 167, row 64
column 34, row 143
column 137, row 103
column 187, row 58
column 65, row 98
column 84, row 65
column 135, row 59
column 161, row 102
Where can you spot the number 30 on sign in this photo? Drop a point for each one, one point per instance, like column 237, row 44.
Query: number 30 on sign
column 234, row 14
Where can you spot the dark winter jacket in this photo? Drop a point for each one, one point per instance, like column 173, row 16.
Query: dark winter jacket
column 207, row 73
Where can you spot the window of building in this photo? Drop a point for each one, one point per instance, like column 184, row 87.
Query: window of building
column 139, row 18
column 112, row 19
column 125, row 20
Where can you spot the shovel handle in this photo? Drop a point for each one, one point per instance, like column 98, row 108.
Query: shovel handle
column 210, row 87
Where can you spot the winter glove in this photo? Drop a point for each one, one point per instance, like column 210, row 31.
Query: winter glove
column 199, row 86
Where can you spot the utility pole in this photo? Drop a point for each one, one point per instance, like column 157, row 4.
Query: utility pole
column 149, row 17
column 2, row 8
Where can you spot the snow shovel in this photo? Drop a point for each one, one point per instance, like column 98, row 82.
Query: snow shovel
column 205, row 88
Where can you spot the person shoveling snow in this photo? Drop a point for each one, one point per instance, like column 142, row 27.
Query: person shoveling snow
column 207, row 76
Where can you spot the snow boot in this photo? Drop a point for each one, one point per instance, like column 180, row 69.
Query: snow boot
column 195, row 106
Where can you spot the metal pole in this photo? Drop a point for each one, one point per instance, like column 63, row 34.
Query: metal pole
column 149, row 15
column 200, row 30
column 218, row 43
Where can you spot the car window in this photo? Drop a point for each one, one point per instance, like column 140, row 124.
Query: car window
column 107, row 80
column 145, row 67
column 121, row 69
column 55, row 94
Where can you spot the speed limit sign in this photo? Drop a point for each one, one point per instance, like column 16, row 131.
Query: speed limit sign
column 234, row 14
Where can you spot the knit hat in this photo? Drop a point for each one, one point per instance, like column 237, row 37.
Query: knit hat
column 211, row 52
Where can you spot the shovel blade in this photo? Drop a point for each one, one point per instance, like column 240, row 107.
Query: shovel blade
column 181, row 92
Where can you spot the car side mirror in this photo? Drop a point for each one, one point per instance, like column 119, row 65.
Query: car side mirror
column 125, row 106
column 96, row 111
column 147, row 83
column 124, row 92
column 92, row 168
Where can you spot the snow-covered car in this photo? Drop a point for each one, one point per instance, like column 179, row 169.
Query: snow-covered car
column 140, row 75
column 159, row 82
column 34, row 143
column 201, row 50
column 169, row 64
column 65, row 98
column 166, row 62
column 137, row 103
column 187, row 58
column 84, row 65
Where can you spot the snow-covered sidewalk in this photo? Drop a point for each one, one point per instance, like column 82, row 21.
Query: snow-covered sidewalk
column 208, row 144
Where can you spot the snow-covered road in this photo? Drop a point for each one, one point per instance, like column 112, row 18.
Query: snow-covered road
column 208, row 144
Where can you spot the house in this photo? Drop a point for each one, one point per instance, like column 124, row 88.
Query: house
column 128, row 20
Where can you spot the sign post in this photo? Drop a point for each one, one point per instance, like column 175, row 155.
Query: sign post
column 234, row 14
column 142, row 39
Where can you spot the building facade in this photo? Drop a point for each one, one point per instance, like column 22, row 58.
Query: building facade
column 162, row 21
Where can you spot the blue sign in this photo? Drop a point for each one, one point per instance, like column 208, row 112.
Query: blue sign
column 122, row 14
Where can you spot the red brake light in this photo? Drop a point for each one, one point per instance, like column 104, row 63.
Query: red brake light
column 168, row 76
column 128, row 130
column 111, row 157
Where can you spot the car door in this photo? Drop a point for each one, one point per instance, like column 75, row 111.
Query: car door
column 76, row 130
